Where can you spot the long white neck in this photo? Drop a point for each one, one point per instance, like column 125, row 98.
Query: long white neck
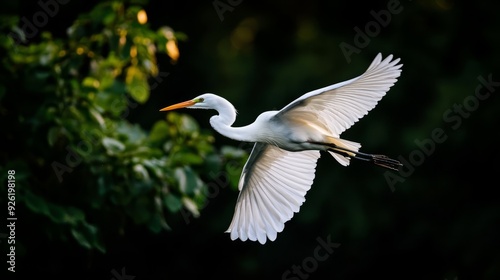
column 222, row 122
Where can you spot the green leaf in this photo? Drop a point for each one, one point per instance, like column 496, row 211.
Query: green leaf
column 187, row 179
column 156, row 166
column 36, row 203
column 106, row 79
column 90, row 82
column 186, row 158
column 172, row 202
column 188, row 124
column 141, row 210
column 104, row 12
column 232, row 152
column 88, row 236
column 159, row 132
column 113, row 146
column 52, row 135
column 141, row 172
column 134, row 133
column 56, row 213
column 139, row 90
column 191, row 206
column 73, row 215
column 110, row 101
column 97, row 116
column 137, row 84
column 213, row 163
column 81, row 238
column 76, row 114
column 158, row 223
column 233, row 173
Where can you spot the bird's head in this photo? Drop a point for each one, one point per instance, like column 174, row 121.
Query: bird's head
column 204, row 101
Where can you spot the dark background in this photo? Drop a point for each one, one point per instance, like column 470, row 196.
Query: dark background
column 439, row 220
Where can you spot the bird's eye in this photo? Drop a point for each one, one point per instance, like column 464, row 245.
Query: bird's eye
column 201, row 99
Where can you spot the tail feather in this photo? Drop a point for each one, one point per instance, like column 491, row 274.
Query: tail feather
column 345, row 144
column 344, row 161
column 343, row 150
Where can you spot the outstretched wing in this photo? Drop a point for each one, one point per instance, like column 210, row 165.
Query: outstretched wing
column 339, row 106
column 272, row 187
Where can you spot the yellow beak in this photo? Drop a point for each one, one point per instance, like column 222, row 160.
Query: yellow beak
column 179, row 105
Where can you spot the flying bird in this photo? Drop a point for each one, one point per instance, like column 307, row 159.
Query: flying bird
column 280, row 169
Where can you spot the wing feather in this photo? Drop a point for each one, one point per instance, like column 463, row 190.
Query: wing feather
column 268, row 213
column 340, row 105
column 273, row 186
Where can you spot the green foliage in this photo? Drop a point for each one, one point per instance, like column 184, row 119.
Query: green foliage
column 82, row 167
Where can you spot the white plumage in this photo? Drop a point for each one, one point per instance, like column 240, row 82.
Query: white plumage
column 272, row 187
column 281, row 167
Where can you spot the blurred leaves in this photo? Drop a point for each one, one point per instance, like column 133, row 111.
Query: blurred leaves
column 137, row 85
column 85, row 234
column 93, row 165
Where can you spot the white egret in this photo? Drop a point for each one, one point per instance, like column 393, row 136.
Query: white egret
column 280, row 169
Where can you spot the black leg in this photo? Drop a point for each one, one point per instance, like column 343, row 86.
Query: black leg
column 380, row 160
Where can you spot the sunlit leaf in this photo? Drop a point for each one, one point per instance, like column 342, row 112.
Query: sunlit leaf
column 172, row 50
column 191, row 206
column 141, row 171
column 137, row 85
column 97, row 116
column 113, row 146
column 91, row 82
column 142, row 17
column 187, row 179
column 188, row 124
